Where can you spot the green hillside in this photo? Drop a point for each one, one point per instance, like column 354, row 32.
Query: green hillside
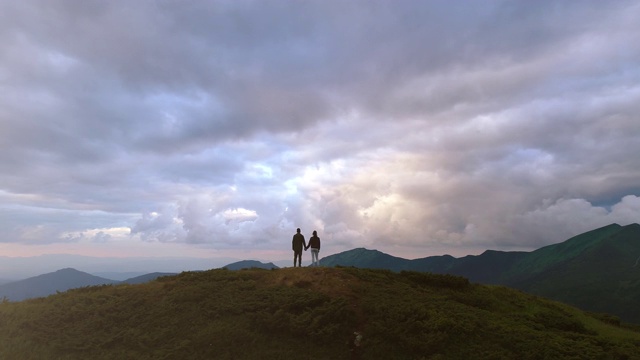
column 364, row 258
column 596, row 271
column 604, row 278
column 550, row 256
column 306, row 313
column 488, row 267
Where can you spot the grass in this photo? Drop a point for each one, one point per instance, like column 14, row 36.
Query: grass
column 308, row 313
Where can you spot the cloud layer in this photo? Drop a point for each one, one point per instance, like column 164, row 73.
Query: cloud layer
column 404, row 126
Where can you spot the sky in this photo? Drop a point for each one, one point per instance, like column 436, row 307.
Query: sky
column 216, row 128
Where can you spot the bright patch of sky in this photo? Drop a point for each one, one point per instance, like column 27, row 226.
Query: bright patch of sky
column 416, row 128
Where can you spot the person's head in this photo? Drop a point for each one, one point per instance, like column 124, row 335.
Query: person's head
column 315, row 233
column 298, row 230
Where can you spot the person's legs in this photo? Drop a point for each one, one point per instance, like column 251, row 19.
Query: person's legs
column 297, row 255
column 314, row 257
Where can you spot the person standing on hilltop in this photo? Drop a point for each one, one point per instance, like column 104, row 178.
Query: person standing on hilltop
column 297, row 244
column 314, row 244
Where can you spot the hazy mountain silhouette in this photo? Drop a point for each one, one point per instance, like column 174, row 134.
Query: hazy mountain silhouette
column 481, row 268
column 248, row 264
column 47, row 284
column 594, row 270
column 146, row 277
column 20, row 268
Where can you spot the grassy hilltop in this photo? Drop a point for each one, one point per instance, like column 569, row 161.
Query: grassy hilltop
column 307, row 313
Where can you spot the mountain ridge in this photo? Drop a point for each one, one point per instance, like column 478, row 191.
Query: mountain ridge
column 62, row 280
column 554, row 254
column 249, row 264
column 592, row 270
column 50, row 283
column 146, row 278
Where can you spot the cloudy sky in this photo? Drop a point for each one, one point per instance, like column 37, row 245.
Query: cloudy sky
column 216, row 128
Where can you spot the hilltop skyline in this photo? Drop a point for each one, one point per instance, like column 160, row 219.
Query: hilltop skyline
column 215, row 129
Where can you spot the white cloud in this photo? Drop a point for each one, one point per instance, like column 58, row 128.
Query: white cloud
column 420, row 125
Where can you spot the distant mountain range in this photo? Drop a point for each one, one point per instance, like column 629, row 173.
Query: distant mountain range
column 146, row 278
column 596, row 271
column 68, row 278
column 19, row 268
column 249, row 264
column 60, row 281
column 47, row 284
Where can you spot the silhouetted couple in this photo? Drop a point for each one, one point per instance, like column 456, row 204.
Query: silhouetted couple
column 298, row 243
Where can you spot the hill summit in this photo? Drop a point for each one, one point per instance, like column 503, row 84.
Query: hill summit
column 315, row 313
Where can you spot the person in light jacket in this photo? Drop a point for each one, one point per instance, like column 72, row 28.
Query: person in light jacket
column 314, row 244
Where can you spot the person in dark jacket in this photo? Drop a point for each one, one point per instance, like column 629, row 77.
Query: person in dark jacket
column 314, row 244
column 297, row 244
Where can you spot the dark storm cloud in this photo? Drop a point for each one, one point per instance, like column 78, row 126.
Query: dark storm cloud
column 379, row 123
